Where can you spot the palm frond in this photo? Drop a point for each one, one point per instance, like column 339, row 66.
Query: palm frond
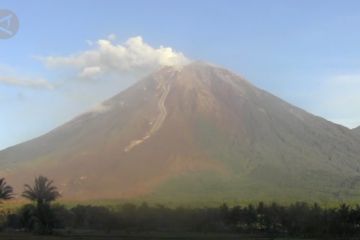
column 43, row 190
column 6, row 191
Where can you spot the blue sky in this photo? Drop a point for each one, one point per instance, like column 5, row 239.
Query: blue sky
column 307, row 52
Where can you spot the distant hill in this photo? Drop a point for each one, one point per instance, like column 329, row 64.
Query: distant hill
column 196, row 133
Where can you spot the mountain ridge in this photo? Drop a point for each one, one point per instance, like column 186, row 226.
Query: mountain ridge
column 196, row 132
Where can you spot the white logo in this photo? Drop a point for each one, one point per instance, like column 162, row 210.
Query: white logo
column 9, row 24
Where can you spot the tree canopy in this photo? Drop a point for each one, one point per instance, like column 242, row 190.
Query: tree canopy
column 43, row 191
column 6, row 191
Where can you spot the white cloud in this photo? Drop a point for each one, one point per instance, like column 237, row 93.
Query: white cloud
column 26, row 82
column 107, row 57
column 10, row 76
column 90, row 72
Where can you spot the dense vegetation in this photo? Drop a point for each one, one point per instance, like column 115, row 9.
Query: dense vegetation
column 299, row 219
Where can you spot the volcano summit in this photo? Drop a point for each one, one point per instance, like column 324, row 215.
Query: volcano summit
column 196, row 133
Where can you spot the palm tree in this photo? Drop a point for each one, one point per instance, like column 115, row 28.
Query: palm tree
column 6, row 191
column 43, row 192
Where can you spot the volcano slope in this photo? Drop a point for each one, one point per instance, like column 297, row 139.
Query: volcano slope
column 356, row 130
column 196, row 133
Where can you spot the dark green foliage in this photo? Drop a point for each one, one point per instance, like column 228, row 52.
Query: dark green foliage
column 42, row 192
column 6, row 191
column 42, row 218
column 25, row 218
column 299, row 219
column 296, row 220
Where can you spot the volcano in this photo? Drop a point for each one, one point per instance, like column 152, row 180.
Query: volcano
column 193, row 133
column 357, row 130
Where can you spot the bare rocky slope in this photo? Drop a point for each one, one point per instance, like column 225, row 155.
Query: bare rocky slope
column 197, row 133
column 357, row 130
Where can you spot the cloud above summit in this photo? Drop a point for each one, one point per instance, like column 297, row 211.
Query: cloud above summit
column 108, row 57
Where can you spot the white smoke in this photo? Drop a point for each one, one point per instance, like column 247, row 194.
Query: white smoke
column 106, row 57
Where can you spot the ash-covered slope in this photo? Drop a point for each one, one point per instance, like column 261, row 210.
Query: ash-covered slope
column 194, row 133
column 356, row 130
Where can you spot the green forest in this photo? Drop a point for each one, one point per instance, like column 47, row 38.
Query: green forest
column 300, row 219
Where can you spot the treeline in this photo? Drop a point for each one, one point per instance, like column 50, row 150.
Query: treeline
column 299, row 219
